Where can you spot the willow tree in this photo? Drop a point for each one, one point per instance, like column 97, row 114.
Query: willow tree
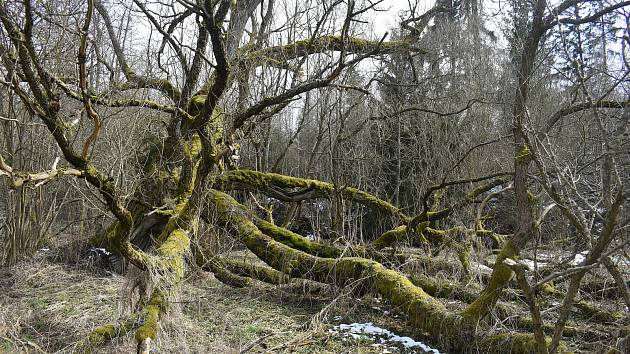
column 222, row 68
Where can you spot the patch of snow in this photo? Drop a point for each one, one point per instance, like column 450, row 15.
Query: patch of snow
column 531, row 264
column 546, row 256
column 45, row 249
column 495, row 189
column 579, row 258
column 482, row 267
column 358, row 330
column 620, row 260
column 100, row 251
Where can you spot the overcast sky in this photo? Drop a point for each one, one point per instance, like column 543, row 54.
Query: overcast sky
column 385, row 20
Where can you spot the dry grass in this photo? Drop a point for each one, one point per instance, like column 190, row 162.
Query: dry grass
column 47, row 306
column 51, row 302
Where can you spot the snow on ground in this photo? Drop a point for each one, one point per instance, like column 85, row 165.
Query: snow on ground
column 531, row 264
column 579, row 258
column 381, row 335
column 100, row 251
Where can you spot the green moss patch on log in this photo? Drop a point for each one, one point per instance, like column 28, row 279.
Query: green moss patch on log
column 585, row 309
column 296, row 241
column 220, row 272
column 390, row 237
column 170, row 264
column 262, row 273
column 102, row 334
column 500, row 277
column 306, row 47
column 444, row 288
column 151, row 317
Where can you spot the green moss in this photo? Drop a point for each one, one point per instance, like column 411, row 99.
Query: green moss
column 596, row 314
column 195, row 105
column 390, row 237
column 175, row 245
column 180, row 218
column 524, row 154
column 588, row 311
column 265, row 274
column 215, row 125
column 193, row 149
column 263, row 182
column 326, row 43
column 426, row 313
column 444, row 288
column 514, row 343
column 168, row 87
column 463, row 254
column 231, row 279
column 437, row 215
column 102, row 334
column 296, row 241
column 149, row 328
column 550, row 289
column 501, row 276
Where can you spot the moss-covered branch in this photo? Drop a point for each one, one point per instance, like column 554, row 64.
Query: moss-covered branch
column 170, row 266
column 262, row 273
column 103, row 334
column 122, row 102
column 279, row 187
column 500, row 178
column 501, row 276
column 220, row 272
column 283, row 53
column 296, row 241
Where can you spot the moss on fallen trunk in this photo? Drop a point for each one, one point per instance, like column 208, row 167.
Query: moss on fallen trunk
column 447, row 329
column 296, row 241
column 262, row 273
column 500, row 278
column 271, row 182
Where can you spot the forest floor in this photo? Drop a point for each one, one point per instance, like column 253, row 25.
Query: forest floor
column 52, row 301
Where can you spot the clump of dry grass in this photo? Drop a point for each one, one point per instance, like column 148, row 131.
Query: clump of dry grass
column 52, row 306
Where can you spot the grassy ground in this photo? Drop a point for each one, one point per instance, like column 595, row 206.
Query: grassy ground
column 47, row 306
column 52, row 301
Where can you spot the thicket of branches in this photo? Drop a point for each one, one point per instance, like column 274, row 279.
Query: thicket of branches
column 171, row 131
